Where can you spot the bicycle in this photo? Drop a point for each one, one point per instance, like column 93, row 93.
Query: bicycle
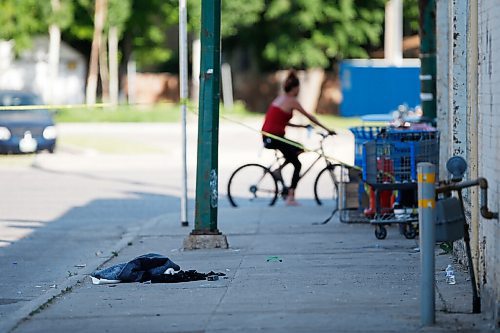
column 255, row 184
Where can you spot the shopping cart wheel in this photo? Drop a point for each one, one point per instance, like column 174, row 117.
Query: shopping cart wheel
column 409, row 231
column 380, row 232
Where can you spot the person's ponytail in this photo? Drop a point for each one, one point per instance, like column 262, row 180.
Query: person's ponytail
column 291, row 81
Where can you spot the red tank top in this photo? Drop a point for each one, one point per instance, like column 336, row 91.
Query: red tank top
column 276, row 120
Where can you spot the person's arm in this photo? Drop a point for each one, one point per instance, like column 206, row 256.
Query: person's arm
column 297, row 125
column 296, row 105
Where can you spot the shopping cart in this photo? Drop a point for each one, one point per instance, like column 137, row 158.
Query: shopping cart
column 390, row 173
column 363, row 134
column 352, row 196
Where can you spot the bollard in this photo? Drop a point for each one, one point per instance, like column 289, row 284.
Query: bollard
column 341, row 198
column 427, row 220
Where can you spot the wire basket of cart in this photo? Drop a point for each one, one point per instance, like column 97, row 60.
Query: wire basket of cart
column 390, row 175
column 352, row 196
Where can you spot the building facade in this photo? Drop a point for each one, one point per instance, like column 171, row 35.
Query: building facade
column 468, row 93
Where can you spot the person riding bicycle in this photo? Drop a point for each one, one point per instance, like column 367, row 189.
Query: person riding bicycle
column 278, row 115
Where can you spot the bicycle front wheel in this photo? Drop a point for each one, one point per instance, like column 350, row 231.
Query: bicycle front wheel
column 252, row 185
column 326, row 187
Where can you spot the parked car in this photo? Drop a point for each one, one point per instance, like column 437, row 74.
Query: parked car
column 25, row 131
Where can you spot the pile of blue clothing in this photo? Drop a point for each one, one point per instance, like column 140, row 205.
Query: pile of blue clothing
column 152, row 267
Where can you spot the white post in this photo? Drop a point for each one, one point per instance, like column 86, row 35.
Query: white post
column 196, row 60
column 227, row 86
column 393, row 39
column 54, row 54
column 113, row 64
column 427, row 221
column 183, row 69
column 131, row 78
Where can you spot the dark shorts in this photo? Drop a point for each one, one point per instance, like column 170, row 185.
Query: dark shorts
column 288, row 150
column 291, row 154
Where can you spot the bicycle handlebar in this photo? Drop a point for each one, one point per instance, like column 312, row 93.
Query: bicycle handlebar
column 322, row 133
column 325, row 135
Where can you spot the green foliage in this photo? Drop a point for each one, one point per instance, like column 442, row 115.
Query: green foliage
column 20, row 20
column 147, row 30
column 63, row 17
column 410, row 17
column 119, row 12
column 235, row 14
column 313, row 33
column 278, row 33
column 82, row 29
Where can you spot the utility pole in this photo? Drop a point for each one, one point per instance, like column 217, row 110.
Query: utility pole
column 428, row 57
column 183, row 70
column 393, row 36
column 205, row 233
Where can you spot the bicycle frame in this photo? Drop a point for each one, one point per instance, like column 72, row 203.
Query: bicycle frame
column 254, row 190
column 279, row 162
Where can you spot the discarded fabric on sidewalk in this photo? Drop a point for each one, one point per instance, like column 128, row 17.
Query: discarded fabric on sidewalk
column 139, row 269
column 149, row 267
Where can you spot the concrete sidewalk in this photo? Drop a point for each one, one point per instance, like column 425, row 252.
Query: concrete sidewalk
column 332, row 278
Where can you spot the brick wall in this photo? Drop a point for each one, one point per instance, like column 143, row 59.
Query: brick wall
column 255, row 90
column 489, row 143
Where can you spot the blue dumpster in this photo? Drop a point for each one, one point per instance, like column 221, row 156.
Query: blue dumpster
column 374, row 87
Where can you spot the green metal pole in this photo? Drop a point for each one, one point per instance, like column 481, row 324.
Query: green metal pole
column 208, row 121
column 428, row 57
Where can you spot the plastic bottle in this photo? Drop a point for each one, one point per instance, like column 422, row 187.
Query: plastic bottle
column 450, row 275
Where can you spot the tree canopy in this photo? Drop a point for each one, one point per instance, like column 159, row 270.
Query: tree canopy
column 275, row 33
column 311, row 33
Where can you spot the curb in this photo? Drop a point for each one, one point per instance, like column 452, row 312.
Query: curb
column 66, row 285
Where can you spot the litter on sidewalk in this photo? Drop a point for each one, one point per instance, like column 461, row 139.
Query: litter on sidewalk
column 152, row 267
column 274, row 259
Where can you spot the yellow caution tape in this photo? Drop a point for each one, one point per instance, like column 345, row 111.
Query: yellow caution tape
column 53, row 106
column 192, row 108
column 82, row 106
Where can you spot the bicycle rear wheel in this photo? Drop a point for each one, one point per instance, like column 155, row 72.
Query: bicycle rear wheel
column 252, row 185
column 326, row 187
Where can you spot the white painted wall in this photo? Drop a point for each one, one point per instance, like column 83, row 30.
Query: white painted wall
column 489, row 142
column 470, row 121
column 31, row 71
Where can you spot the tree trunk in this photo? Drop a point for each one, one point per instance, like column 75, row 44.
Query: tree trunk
column 195, row 79
column 310, row 88
column 126, row 52
column 113, row 65
column 99, row 19
column 54, row 54
column 104, row 69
